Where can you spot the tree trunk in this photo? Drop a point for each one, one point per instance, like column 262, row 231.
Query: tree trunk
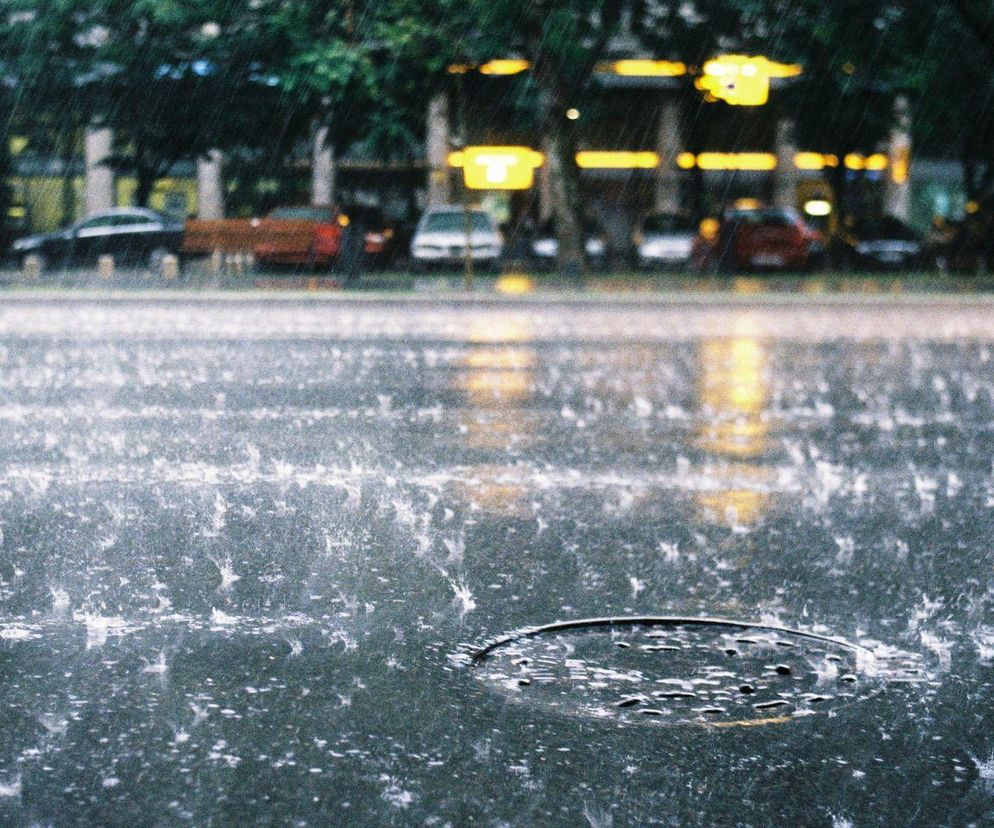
column 837, row 255
column 146, row 183
column 68, row 153
column 837, row 181
column 564, row 181
column 969, row 177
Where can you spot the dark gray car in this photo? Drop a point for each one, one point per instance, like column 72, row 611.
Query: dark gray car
column 132, row 234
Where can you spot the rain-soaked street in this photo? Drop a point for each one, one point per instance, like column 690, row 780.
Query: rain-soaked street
column 252, row 549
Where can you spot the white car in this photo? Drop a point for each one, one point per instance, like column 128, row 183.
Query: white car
column 441, row 236
column 664, row 240
column 545, row 246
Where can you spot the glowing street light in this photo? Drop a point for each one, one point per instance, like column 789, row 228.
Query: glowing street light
column 638, row 68
column 504, row 66
column 742, row 80
column 818, row 207
column 616, row 160
column 497, row 168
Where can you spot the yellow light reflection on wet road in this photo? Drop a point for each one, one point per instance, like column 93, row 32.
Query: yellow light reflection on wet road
column 497, row 377
column 515, row 284
column 733, row 394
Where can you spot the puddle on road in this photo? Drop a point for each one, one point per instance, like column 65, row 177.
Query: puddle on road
column 683, row 671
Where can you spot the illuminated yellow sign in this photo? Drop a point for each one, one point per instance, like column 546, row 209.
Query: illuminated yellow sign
column 513, row 168
column 876, row 162
column 614, row 160
column 637, row 68
column 504, row 66
column 497, row 168
column 742, row 80
column 737, row 161
column 644, row 68
column 815, row 161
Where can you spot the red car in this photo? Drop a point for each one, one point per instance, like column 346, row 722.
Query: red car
column 765, row 238
column 309, row 236
column 318, row 236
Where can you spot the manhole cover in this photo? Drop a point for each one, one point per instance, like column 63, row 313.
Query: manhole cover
column 663, row 670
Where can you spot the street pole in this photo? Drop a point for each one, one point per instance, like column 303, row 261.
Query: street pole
column 469, row 250
column 468, row 226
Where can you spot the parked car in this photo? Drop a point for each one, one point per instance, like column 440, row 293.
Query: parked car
column 379, row 234
column 764, row 238
column 544, row 247
column 441, row 236
column 964, row 246
column 131, row 235
column 664, row 240
column 309, row 236
column 306, row 236
column 881, row 243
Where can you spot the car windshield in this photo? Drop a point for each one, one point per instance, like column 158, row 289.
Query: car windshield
column 767, row 218
column 668, row 224
column 455, row 222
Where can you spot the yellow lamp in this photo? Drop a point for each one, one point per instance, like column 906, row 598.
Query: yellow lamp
column 616, row 160
column 498, row 168
column 742, row 80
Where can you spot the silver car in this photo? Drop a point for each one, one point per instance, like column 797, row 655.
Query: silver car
column 443, row 233
column 664, row 240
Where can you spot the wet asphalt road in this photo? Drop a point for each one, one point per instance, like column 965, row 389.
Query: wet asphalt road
column 249, row 545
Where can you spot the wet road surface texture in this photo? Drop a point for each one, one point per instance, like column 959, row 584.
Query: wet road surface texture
column 253, row 552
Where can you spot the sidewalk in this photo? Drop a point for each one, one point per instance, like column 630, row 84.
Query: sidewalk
column 619, row 286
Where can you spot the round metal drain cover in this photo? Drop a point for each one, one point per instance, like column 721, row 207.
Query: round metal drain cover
column 664, row 670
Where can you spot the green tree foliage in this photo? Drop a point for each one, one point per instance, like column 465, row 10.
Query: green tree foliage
column 954, row 45
column 363, row 68
column 176, row 79
column 44, row 63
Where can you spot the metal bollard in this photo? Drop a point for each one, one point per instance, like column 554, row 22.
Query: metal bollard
column 32, row 267
column 170, row 267
column 105, row 267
